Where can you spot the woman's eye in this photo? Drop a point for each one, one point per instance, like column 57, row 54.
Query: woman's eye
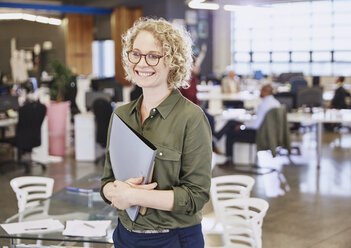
column 135, row 54
column 151, row 56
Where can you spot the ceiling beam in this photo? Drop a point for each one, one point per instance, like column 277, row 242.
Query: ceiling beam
column 59, row 8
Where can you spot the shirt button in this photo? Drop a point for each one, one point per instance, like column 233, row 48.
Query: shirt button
column 153, row 110
column 161, row 153
column 151, row 116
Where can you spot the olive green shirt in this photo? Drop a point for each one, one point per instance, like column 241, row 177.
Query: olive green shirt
column 180, row 131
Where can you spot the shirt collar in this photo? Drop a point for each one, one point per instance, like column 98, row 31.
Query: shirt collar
column 165, row 106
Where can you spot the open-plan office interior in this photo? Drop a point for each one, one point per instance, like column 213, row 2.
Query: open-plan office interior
column 62, row 59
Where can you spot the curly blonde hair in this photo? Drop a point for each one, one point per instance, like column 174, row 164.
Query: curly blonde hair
column 176, row 44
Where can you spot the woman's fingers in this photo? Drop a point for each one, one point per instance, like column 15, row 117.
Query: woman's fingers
column 135, row 180
column 146, row 186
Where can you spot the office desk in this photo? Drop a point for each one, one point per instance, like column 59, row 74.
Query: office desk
column 319, row 117
column 8, row 122
column 216, row 98
column 65, row 205
column 4, row 123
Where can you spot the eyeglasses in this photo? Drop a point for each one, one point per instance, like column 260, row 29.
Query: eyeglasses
column 151, row 59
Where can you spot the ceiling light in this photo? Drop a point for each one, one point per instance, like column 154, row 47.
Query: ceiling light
column 55, row 21
column 29, row 17
column 231, row 7
column 42, row 19
column 11, row 16
column 201, row 4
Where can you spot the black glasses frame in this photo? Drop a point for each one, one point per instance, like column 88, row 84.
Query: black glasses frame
column 145, row 56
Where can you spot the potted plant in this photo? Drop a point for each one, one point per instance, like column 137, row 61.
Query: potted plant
column 58, row 109
column 62, row 79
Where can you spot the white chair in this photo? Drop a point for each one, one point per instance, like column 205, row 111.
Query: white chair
column 242, row 220
column 30, row 190
column 225, row 188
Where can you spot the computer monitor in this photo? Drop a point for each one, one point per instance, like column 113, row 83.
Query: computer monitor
column 8, row 102
column 91, row 96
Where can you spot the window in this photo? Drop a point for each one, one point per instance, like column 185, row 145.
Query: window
column 103, row 58
column 311, row 36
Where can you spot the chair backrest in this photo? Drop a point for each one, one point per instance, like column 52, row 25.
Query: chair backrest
column 102, row 110
column 286, row 98
column 242, row 219
column 296, row 82
column 311, row 97
column 31, row 189
column 230, row 187
column 274, row 131
column 30, row 118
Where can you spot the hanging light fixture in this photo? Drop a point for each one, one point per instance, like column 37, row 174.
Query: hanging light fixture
column 201, row 4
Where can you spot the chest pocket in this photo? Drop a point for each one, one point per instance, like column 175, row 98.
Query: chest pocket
column 167, row 167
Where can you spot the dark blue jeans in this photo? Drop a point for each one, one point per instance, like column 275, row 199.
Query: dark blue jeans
column 188, row 237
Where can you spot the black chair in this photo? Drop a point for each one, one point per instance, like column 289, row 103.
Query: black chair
column 28, row 132
column 310, row 97
column 288, row 99
column 296, row 82
column 233, row 104
column 102, row 110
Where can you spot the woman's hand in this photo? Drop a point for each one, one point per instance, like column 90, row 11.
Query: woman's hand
column 123, row 195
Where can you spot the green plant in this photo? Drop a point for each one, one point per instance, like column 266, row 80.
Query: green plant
column 61, row 81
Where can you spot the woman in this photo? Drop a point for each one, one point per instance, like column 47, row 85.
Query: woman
column 157, row 57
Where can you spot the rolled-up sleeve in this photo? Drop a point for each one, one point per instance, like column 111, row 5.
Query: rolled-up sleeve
column 195, row 173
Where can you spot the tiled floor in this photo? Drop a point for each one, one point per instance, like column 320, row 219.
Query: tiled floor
column 312, row 209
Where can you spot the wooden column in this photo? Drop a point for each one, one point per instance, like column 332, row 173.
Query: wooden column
column 122, row 19
column 79, row 38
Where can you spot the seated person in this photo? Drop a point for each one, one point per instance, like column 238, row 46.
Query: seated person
column 338, row 101
column 231, row 83
column 244, row 132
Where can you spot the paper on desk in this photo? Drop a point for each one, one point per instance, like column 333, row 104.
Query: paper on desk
column 35, row 226
column 93, row 228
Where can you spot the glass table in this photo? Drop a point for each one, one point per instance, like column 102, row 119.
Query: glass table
column 68, row 205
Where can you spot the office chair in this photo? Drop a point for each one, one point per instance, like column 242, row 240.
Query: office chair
column 28, row 132
column 233, row 104
column 310, row 97
column 288, row 99
column 102, row 110
column 296, row 82
column 272, row 135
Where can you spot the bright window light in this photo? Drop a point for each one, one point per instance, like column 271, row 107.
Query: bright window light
column 299, row 36
column 280, row 57
column 103, row 58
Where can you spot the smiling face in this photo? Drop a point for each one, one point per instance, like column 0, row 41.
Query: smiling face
column 144, row 75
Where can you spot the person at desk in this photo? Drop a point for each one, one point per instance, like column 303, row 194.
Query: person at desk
column 235, row 130
column 230, row 83
column 339, row 99
column 157, row 57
